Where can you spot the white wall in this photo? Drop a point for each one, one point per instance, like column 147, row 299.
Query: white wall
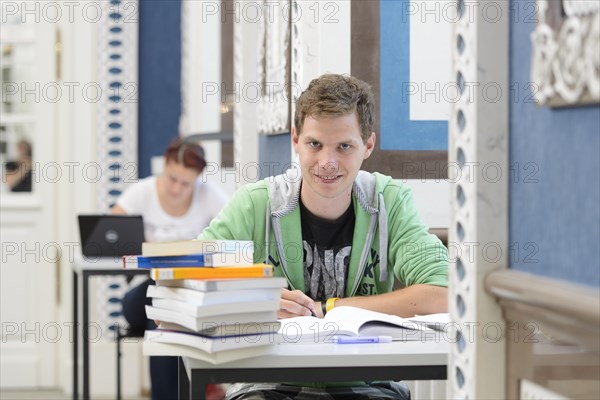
column 78, row 146
column 432, row 198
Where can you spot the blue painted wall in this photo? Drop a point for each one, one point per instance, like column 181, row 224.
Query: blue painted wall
column 554, row 223
column 159, row 78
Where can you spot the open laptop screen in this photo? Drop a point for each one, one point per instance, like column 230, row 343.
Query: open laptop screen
column 111, row 235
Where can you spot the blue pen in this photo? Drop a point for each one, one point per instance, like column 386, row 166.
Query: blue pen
column 361, row 339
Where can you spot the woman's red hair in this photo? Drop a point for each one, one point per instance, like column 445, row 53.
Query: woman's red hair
column 190, row 155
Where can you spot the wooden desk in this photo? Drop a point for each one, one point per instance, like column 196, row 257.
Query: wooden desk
column 87, row 269
column 320, row 363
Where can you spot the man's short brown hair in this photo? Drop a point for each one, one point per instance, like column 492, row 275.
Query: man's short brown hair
column 333, row 95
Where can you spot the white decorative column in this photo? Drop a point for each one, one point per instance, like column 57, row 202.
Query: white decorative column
column 117, row 131
column 245, row 109
column 297, row 38
column 273, row 67
column 478, row 170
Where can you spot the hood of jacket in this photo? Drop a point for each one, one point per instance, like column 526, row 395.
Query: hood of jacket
column 370, row 211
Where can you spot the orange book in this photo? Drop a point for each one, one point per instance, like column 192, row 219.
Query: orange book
column 254, row 271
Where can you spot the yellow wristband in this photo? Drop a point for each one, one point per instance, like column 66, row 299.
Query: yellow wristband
column 330, row 303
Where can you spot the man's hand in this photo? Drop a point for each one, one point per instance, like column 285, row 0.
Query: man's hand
column 294, row 303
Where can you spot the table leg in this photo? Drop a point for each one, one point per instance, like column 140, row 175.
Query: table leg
column 86, row 337
column 191, row 387
column 75, row 337
column 198, row 384
column 184, row 382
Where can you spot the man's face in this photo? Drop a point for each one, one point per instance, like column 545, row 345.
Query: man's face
column 331, row 151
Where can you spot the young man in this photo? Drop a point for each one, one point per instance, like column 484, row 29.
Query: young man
column 339, row 235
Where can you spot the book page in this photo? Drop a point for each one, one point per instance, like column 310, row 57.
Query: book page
column 351, row 321
column 436, row 322
column 442, row 318
column 363, row 322
column 309, row 330
column 352, row 318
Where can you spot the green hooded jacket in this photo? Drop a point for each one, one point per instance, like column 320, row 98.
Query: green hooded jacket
column 389, row 238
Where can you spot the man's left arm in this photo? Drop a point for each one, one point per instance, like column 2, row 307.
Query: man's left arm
column 419, row 260
column 407, row 302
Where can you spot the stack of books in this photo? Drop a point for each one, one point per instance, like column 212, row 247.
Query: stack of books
column 212, row 302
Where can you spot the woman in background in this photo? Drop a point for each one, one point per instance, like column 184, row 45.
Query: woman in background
column 175, row 206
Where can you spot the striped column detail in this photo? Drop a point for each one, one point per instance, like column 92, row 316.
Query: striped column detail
column 117, row 130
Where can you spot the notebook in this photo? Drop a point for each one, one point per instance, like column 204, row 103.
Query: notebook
column 110, row 235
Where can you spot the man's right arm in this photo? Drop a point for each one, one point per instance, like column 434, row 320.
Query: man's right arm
column 242, row 219
column 294, row 303
column 417, row 257
column 236, row 221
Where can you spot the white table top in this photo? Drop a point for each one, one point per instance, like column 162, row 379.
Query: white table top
column 81, row 263
column 413, row 353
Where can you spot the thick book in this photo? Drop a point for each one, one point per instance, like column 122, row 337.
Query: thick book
column 214, row 285
column 353, row 321
column 213, row 260
column 210, row 344
column 185, row 247
column 212, row 298
column 153, row 348
column 197, row 324
column 254, row 271
column 217, row 330
column 202, row 311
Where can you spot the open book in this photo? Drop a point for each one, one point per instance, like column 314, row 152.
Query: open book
column 352, row 321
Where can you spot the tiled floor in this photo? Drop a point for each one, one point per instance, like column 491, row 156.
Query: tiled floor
column 33, row 395
column 44, row 395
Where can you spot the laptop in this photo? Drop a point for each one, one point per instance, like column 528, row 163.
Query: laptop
column 111, row 235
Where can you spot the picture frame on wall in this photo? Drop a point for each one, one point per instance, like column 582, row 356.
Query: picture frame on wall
column 274, row 70
column 566, row 52
column 407, row 147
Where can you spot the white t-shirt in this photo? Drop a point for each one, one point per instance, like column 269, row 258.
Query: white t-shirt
column 142, row 199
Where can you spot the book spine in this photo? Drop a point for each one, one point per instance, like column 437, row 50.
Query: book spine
column 196, row 260
column 130, row 262
column 258, row 271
